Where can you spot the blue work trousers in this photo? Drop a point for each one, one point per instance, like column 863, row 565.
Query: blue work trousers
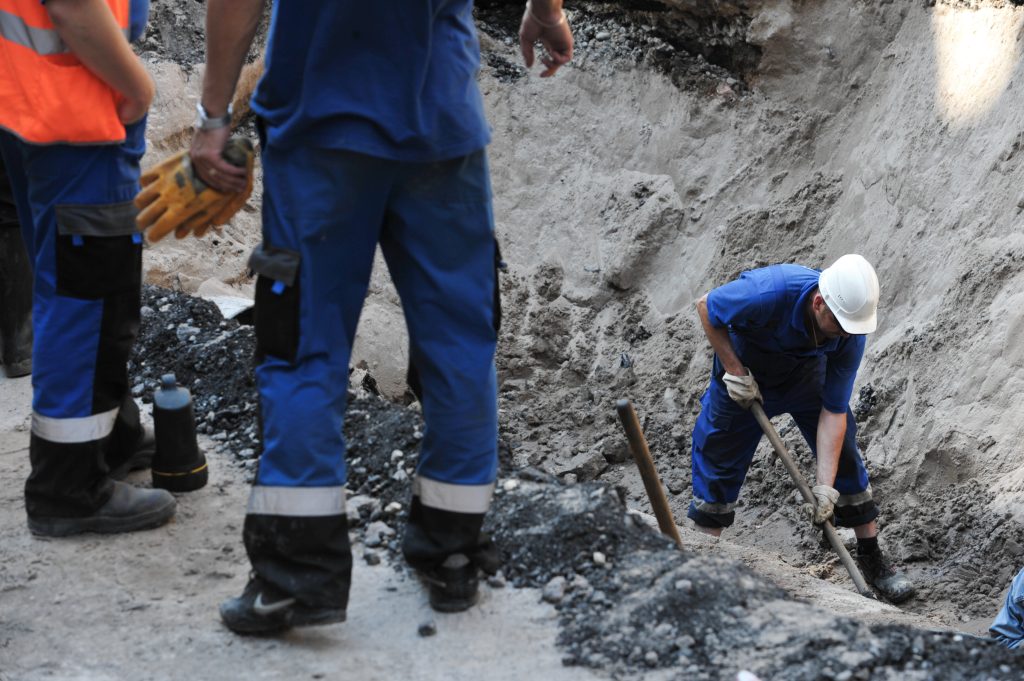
column 726, row 436
column 75, row 208
column 325, row 212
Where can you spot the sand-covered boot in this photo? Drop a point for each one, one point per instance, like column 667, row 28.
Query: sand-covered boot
column 879, row 572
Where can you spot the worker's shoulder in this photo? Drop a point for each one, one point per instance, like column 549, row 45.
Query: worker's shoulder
column 783, row 278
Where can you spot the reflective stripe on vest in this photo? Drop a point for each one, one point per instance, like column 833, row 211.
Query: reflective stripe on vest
column 303, row 502
column 74, row 430
column 48, row 95
column 450, row 497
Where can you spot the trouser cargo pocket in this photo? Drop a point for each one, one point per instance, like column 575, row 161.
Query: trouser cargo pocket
column 276, row 312
column 98, row 251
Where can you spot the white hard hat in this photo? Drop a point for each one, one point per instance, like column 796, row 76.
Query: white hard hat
column 850, row 289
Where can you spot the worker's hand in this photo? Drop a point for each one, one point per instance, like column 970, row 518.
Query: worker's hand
column 173, row 198
column 207, row 155
column 743, row 389
column 825, row 499
column 554, row 34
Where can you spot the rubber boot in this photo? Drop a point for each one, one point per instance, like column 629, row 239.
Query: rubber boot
column 15, row 304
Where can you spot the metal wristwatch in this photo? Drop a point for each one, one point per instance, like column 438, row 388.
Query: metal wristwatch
column 206, row 122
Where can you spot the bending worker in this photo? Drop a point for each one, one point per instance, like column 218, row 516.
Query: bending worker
column 73, row 101
column 791, row 338
column 372, row 132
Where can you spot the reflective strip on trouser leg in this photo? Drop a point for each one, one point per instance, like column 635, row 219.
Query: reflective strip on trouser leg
column 73, row 430
column 450, row 497
column 296, row 501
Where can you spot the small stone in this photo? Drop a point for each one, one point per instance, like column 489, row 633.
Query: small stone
column 427, row 629
column 684, row 585
column 600, row 558
column 554, row 591
column 496, row 581
column 651, row 658
column 378, row 530
column 396, row 455
column 371, row 558
column 570, row 478
column 247, row 453
column 509, row 485
column 602, row 35
column 138, row 389
column 399, row 476
column 393, row 508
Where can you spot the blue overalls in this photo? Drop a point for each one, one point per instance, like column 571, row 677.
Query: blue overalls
column 1008, row 627
column 372, row 134
column 75, row 207
column 765, row 312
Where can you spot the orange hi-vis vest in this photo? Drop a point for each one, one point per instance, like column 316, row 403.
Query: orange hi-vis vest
column 47, row 96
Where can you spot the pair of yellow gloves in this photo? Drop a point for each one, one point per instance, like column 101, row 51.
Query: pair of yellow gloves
column 174, row 199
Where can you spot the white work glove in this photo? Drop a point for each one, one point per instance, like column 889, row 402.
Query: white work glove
column 743, row 389
column 825, row 499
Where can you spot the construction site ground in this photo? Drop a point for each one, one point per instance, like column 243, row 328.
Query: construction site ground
column 687, row 142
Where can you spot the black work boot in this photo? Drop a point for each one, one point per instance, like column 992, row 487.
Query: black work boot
column 128, row 509
column 879, row 572
column 264, row 609
column 141, row 457
column 454, row 585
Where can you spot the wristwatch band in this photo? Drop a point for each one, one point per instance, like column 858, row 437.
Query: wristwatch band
column 205, row 122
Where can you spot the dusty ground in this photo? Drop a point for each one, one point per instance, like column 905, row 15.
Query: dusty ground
column 687, row 142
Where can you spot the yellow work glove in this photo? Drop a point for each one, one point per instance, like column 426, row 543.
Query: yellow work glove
column 173, row 198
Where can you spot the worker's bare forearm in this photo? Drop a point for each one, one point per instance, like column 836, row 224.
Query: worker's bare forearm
column 230, row 28
column 89, row 29
column 831, row 431
column 719, row 339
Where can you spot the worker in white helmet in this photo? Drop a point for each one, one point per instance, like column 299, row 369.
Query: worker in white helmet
column 801, row 333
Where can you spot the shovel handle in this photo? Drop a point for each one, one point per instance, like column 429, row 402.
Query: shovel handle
column 642, row 456
column 805, row 491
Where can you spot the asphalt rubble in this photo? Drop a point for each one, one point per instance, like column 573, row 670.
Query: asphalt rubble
column 629, row 602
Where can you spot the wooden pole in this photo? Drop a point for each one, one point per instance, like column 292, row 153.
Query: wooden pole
column 642, row 456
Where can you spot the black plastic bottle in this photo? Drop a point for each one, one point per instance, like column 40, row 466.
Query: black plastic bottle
column 178, row 465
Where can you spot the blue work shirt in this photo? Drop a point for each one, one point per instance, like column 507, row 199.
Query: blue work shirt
column 765, row 311
column 394, row 80
column 1008, row 627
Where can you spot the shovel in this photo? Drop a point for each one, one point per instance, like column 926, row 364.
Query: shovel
column 805, row 492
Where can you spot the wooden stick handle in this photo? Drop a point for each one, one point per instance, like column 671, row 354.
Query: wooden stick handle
column 642, row 456
column 805, row 491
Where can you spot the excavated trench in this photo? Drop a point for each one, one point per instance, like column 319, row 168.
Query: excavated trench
column 692, row 141
column 628, row 600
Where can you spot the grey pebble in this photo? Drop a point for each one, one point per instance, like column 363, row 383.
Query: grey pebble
column 427, row 629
